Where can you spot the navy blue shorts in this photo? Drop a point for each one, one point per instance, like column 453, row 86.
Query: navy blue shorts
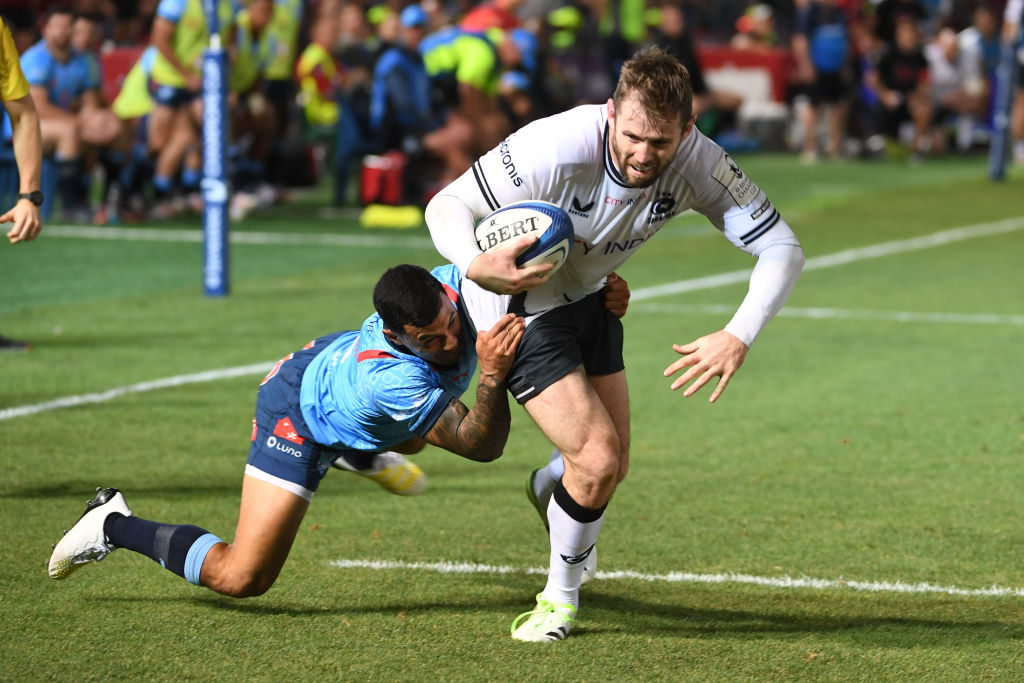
column 169, row 96
column 283, row 453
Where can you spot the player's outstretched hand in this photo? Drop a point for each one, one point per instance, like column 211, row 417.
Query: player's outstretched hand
column 718, row 354
column 496, row 348
column 496, row 271
column 616, row 295
column 25, row 216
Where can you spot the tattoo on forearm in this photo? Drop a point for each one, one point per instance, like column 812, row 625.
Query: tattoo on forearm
column 477, row 434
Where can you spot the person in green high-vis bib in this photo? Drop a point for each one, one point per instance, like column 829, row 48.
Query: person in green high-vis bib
column 180, row 35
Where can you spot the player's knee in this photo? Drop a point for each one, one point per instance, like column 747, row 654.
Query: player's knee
column 598, row 460
column 242, row 583
column 623, row 470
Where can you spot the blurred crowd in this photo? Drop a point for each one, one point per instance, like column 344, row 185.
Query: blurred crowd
column 392, row 100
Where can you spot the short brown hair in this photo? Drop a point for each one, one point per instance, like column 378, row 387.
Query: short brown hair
column 659, row 82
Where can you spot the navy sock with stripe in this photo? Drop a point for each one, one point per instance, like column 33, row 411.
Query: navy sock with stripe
column 180, row 548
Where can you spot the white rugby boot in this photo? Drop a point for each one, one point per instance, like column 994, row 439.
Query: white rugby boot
column 545, row 623
column 86, row 542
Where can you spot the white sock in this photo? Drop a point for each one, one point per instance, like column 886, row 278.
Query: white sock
column 572, row 542
column 546, row 477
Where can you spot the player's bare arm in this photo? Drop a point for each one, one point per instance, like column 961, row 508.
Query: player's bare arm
column 28, row 153
column 480, row 433
column 451, row 221
column 719, row 354
column 161, row 35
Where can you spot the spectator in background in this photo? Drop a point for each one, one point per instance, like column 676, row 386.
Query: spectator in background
column 115, row 154
column 1013, row 17
column 710, row 106
column 982, row 38
column 133, row 105
column 493, row 14
column 324, row 87
column 900, row 81
column 180, row 34
column 253, row 119
column 577, row 73
column 278, row 85
column 318, row 74
column 755, row 30
column 28, row 154
column 465, row 68
column 72, row 118
column 959, row 90
column 402, row 116
column 821, row 47
column 515, row 98
column 889, row 14
column 400, row 105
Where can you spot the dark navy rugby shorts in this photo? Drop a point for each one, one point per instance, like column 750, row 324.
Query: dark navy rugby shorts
column 283, row 452
column 560, row 340
column 169, row 96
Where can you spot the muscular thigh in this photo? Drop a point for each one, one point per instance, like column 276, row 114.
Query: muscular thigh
column 268, row 520
column 572, row 416
column 614, row 396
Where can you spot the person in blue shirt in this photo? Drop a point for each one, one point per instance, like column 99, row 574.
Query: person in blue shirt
column 390, row 387
column 59, row 82
column 74, row 121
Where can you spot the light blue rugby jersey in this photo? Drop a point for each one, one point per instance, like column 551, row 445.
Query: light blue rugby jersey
column 64, row 81
column 361, row 392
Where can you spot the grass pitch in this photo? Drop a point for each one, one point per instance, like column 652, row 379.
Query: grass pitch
column 837, row 515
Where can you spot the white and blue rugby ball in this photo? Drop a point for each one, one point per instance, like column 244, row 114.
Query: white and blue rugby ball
column 504, row 227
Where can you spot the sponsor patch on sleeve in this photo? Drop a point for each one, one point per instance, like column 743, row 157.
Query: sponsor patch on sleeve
column 740, row 187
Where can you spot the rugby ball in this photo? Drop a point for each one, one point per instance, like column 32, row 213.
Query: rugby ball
column 504, row 227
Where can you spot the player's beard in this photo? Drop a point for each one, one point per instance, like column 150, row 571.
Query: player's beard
column 653, row 167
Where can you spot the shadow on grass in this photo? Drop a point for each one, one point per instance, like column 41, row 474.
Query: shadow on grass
column 605, row 615
column 87, row 489
column 262, row 606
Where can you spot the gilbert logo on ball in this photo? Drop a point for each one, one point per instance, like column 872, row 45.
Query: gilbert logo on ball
column 503, row 228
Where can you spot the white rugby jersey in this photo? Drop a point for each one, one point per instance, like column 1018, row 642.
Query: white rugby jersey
column 565, row 159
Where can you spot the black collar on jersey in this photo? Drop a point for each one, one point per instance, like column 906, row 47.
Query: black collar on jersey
column 609, row 164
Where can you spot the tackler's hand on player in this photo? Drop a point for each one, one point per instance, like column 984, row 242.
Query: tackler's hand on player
column 496, row 271
column 719, row 354
column 616, row 295
column 496, row 348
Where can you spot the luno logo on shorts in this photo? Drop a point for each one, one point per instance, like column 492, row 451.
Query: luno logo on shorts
column 272, row 442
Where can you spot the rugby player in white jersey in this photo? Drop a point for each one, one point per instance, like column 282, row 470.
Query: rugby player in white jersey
column 621, row 169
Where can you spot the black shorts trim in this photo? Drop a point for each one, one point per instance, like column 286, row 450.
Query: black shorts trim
column 561, row 340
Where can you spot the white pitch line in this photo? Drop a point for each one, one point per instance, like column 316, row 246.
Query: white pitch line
column 687, row 577
column 839, row 258
column 842, row 314
column 238, row 237
column 827, row 261
column 99, row 397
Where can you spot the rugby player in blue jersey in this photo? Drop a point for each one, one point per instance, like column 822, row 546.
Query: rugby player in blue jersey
column 390, row 387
